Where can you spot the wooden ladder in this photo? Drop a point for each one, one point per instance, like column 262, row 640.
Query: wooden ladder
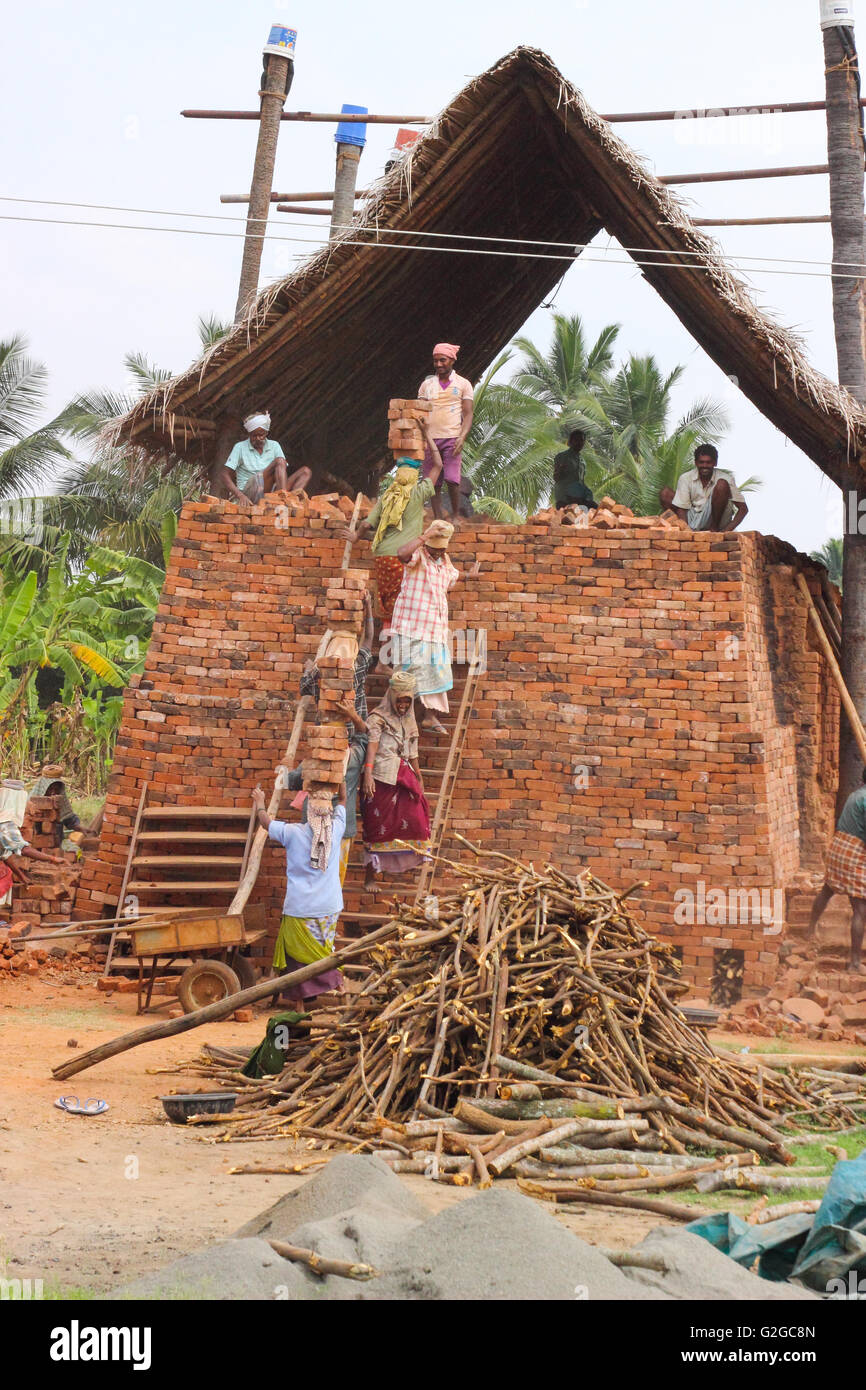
column 171, row 856
column 475, row 670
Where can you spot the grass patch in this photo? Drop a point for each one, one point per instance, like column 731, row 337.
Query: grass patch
column 67, row 1293
column 86, row 807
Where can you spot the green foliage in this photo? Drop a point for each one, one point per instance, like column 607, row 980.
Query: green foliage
column 27, row 456
column 633, row 449
column 830, row 556
column 89, row 625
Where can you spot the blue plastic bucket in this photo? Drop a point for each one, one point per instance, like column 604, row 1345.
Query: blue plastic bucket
column 281, row 41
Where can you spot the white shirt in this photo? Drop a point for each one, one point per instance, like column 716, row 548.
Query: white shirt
column 691, row 492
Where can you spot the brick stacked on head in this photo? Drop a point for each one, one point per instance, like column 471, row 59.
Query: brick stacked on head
column 345, row 599
column 405, row 433
column 336, row 681
column 324, row 764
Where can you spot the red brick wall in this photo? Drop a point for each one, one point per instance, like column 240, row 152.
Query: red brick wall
column 653, row 706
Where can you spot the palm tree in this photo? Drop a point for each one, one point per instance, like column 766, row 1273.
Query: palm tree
column 845, row 157
column 27, row 456
column 117, row 497
column 831, row 557
column 632, row 451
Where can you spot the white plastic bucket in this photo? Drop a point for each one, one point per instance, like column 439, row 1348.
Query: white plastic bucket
column 282, row 40
column 835, row 12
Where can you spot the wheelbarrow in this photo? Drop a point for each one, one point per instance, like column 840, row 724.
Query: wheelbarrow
column 218, row 943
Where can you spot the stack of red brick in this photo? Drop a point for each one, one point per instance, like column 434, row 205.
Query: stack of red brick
column 50, row 894
column 654, row 705
column 405, row 427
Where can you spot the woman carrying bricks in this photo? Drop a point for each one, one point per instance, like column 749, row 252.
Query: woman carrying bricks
column 394, row 810
column 846, row 872
column 397, row 517
column 420, row 641
column 314, row 896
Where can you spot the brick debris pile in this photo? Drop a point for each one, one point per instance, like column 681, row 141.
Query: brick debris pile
column 50, row 894
column 608, row 516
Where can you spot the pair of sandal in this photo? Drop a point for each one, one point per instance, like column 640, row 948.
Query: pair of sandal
column 73, row 1106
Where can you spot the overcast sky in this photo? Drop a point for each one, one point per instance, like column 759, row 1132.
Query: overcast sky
column 91, row 96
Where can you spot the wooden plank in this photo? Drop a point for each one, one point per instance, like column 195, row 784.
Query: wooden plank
column 197, row 813
column 126, row 873
column 170, row 861
column 184, row 886
column 218, row 837
column 847, row 703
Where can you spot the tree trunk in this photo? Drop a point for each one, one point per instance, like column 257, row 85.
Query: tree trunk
column 845, row 155
column 343, row 209
column 272, row 98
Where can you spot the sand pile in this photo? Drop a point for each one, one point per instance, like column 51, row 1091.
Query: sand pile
column 496, row 1245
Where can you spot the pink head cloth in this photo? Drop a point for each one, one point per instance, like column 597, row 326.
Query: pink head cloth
column 446, row 350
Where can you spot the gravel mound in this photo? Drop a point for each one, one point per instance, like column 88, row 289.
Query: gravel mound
column 234, row 1269
column 498, row 1245
column 347, row 1182
column 696, row 1270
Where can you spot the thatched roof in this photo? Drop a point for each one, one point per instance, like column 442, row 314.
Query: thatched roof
column 517, row 154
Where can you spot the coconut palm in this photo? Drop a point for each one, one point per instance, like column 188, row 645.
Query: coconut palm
column 632, row 450
column 830, row 556
column 28, row 456
column 845, row 158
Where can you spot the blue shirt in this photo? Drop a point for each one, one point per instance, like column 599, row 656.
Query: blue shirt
column 244, row 460
column 310, row 892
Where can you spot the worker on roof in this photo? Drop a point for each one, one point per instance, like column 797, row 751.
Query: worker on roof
column 419, row 640
column 257, row 465
column 397, row 517
column 314, row 895
column 450, row 422
column 846, row 872
column 569, row 475
column 706, row 496
column 394, row 810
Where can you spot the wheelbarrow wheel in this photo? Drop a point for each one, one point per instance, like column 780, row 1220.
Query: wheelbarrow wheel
column 206, row 982
column 245, row 971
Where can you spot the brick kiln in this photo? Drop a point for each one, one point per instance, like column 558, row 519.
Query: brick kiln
column 654, row 707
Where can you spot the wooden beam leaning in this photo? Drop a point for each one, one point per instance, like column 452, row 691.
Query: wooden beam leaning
column 223, row 1008
column 824, row 642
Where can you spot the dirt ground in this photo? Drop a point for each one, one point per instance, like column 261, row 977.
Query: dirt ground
column 86, row 1203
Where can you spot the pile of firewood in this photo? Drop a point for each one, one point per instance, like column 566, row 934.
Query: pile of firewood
column 534, row 975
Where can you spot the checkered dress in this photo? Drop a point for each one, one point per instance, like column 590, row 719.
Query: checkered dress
column 421, row 610
column 846, row 865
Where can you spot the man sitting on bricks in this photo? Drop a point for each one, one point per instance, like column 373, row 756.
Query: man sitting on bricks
column 257, row 465
column 707, row 496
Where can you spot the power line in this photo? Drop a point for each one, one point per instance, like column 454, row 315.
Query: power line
column 401, row 231
column 577, row 254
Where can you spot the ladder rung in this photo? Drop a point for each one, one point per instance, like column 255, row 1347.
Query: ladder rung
column 221, row 837
column 182, row 886
column 171, row 861
column 196, row 813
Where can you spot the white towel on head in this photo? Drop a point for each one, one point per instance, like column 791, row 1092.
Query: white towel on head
column 257, row 422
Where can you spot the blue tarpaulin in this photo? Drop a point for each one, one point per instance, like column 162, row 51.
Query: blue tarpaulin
column 821, row 1251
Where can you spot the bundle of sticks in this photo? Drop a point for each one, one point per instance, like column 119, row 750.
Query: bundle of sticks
column 517, row 973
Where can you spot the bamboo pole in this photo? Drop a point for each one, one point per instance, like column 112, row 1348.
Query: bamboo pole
column 824, row 641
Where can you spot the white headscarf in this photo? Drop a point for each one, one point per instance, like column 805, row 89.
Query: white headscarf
column 257, row 422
